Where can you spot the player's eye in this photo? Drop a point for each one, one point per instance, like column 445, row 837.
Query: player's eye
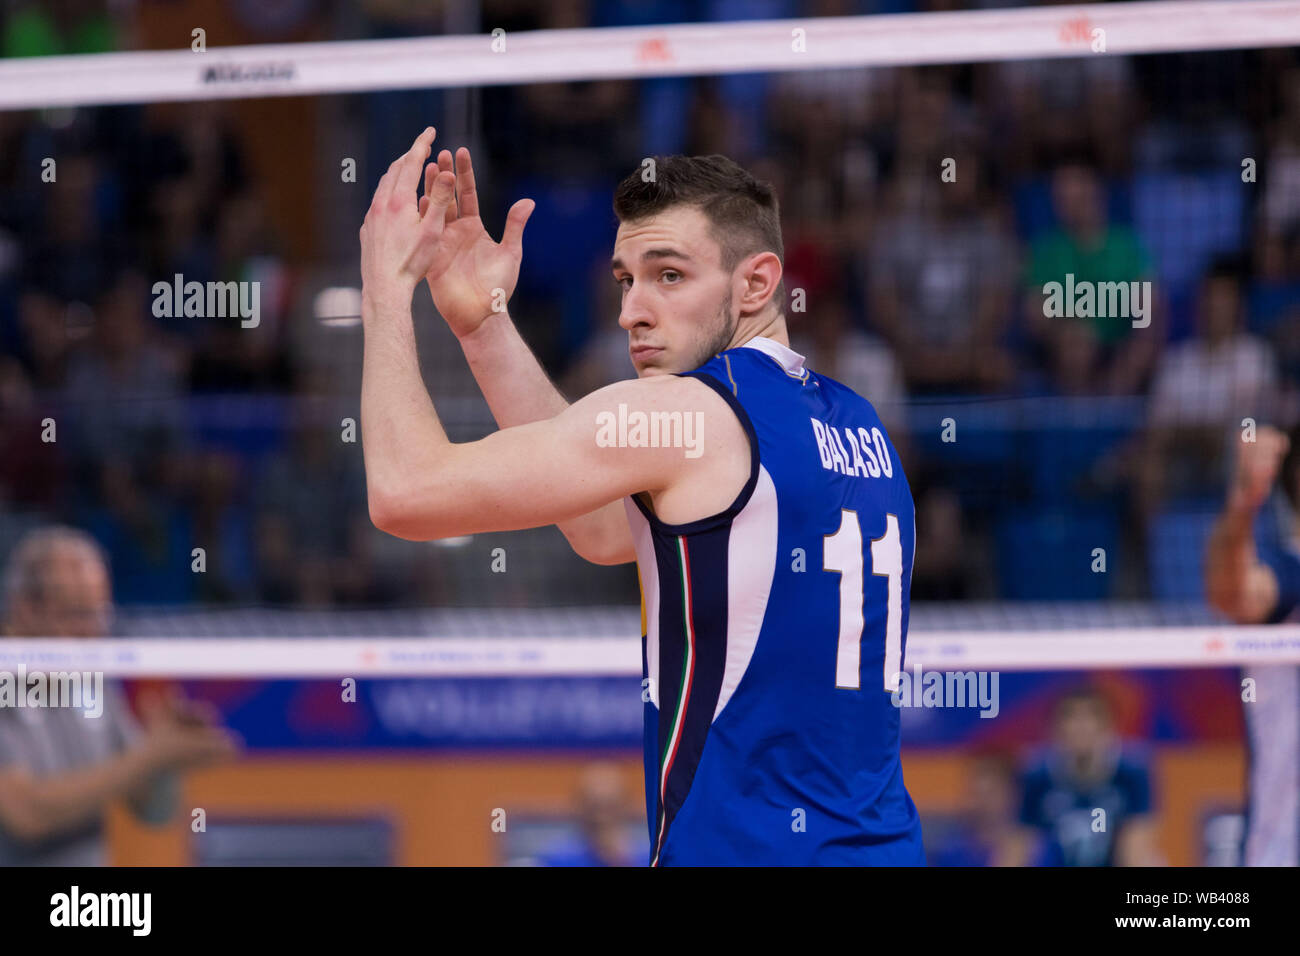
column 625, row 282
column 671, row 275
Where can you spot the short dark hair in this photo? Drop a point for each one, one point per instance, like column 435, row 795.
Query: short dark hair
column 744, row 211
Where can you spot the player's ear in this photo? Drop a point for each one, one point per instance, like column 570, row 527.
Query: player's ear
column 762, row 272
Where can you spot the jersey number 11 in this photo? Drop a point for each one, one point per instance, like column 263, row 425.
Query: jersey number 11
column 843, row 553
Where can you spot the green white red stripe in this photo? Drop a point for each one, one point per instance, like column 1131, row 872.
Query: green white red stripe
column 683, row 693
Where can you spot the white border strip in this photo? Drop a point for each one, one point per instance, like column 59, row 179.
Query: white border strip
column 297, row 69
column 1084, row 649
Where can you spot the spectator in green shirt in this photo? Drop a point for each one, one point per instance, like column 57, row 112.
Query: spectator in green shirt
column 58, row 27
column 1097, row 354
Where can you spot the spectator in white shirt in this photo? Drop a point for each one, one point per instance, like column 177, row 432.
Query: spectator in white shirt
column 1203, row 390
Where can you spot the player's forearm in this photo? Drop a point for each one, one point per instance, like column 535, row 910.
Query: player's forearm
column 1233, row 573
column 513, row 382
column 401, row 437
column 1231, row 551
column 518, row 391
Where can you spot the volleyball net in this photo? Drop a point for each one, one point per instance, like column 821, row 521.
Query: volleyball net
column 595, row 642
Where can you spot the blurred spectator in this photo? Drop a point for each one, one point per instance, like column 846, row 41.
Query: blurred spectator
column 31, row 471
column 602, row 812
column 711, row 127
column 1203, row 390
column 932, row 120
column 949, row 565
column 61, row 767
column 45, row 343
column 1279, row 204
column 122, row 384
column 300, row 555
column 989, row 833
column 1274, row 297
column 72, row 256
column 222, row 526
column 229, row 356
column 123, row 429
column 145, row 530
column 941, row 276
column 188, row 166
column 838, row 153
column 1040, row 110
column 1093, row 355
column 1088, row 793
column 745, row 97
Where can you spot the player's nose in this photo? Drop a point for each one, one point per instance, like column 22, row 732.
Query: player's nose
column 635, row 311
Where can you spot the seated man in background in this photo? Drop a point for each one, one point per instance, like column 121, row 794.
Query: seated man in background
column 60, row 767
column 1088, row 793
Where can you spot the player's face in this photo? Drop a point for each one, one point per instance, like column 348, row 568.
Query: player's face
column 677, row 299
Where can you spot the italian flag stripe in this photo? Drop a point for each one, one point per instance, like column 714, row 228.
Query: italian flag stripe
column 683, row 692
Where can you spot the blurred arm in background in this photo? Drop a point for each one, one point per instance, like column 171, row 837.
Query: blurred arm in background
column 1237, row 582
column 39, row 807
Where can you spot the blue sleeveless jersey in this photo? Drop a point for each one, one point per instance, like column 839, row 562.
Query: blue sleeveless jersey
column 773, row 634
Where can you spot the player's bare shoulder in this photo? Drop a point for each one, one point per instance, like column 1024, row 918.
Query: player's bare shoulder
column 703, row 443
column 667, row 411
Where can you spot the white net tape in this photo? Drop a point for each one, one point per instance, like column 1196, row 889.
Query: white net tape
column 297, row 69
column 619, row 656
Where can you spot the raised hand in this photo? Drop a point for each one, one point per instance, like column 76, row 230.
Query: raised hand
column 400, row 236
column 470, row 275
column 1258, row 463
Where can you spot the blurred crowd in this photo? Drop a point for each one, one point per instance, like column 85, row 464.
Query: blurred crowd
column 924, row 209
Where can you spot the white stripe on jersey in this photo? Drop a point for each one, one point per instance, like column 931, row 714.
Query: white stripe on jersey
column 751, row 566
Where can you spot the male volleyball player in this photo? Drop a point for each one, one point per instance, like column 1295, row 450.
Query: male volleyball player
column 1254, row 585
column 773, row 532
